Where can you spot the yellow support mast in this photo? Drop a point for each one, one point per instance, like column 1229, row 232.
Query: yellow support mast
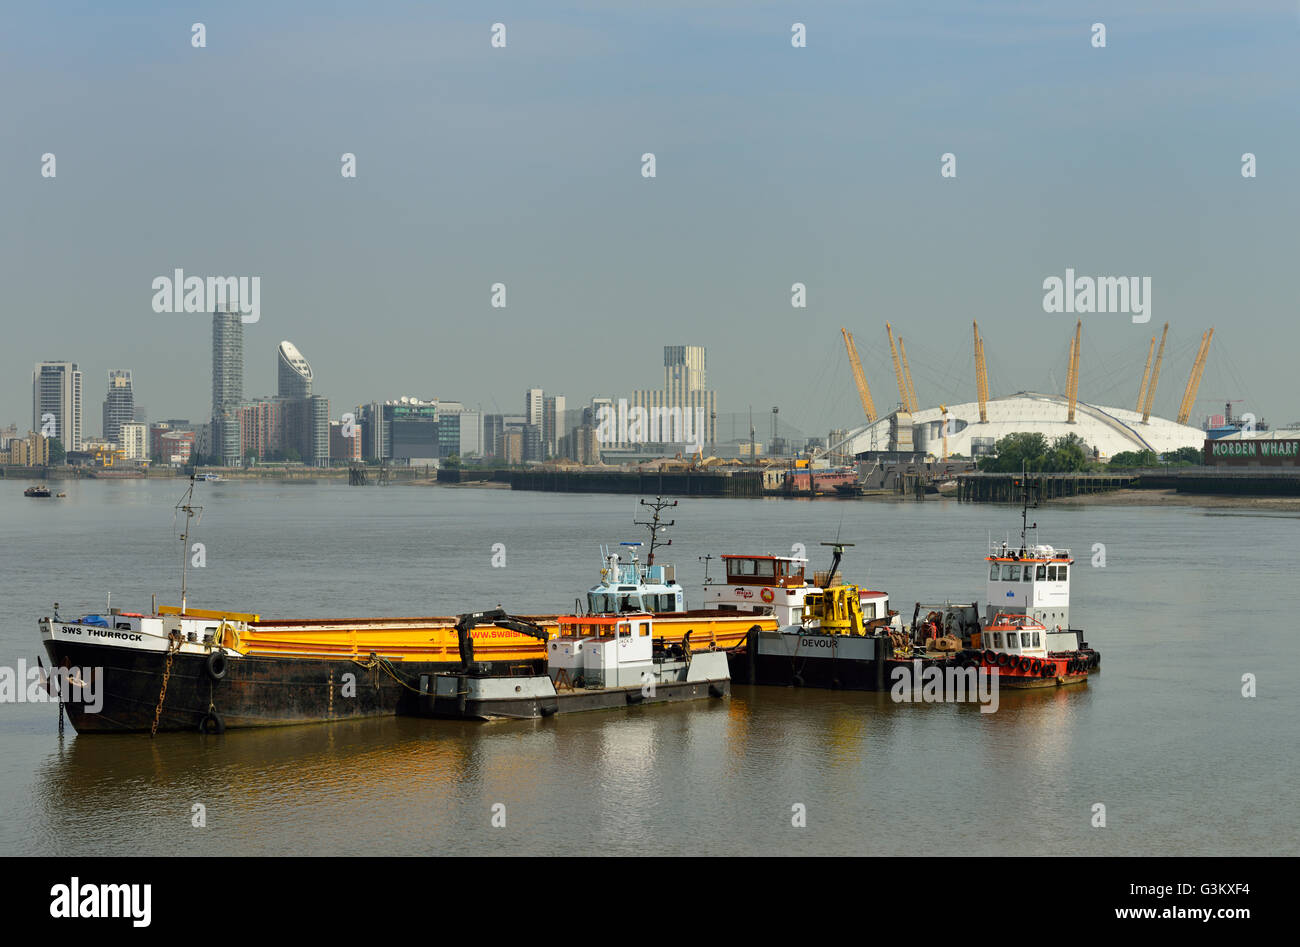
column 981, row 376
column 1155, row 376
column 907, row 374
column 1072, row 381
column 1194, row 379
column 1146, row 373
column 898, row 371
column 859, row 379
column 943, row 409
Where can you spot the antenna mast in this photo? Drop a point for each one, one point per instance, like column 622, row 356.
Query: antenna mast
column 654, row 525
column 186, row 506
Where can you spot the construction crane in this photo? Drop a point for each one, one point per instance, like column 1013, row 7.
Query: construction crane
column 1072, row 379
column 903, row 398
column 981, row 376
column 859, row 379
column 1146, row 373
column 907, row 374
column 1194, row 379
column 1155, row 376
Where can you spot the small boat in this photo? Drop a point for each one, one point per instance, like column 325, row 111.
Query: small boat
column 210, row 478
column 595, row 663
column 40, row 491
column 1016, row 650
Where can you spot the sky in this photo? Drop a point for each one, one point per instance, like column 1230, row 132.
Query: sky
column 773, row 165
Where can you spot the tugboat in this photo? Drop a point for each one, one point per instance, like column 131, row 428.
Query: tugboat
column 38, row 491
column 1019, row 654
column 1025, row 633
column 595, row 663
column 629, row 586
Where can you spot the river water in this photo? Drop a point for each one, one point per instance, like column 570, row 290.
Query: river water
column 1188, row 602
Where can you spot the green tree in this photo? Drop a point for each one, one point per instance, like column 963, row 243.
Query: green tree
column 1185, row 456
column 1015, row 450
column 1068, row 454
column 1134, row 458
column 57, row 453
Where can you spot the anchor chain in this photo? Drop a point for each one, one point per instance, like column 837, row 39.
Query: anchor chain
column 173, row 646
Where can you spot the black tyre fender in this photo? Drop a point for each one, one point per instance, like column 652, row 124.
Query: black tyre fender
column 217, row 664
column 212, row 723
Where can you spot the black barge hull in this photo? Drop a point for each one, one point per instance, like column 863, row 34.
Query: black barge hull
column 254, row 691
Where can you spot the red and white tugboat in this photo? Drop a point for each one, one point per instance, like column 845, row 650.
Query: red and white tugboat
column 1016, row 647
column 1027, row 634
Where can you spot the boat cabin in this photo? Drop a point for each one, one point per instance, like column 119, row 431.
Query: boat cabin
column 1016, row 635
column 602, row 650
column 626, row 585
column 1033, row 581
column 773, row 585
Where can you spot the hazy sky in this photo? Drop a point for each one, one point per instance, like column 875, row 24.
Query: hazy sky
column 774, row 165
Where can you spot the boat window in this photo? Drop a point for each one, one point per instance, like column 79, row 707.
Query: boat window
column 740, row 566
column 1013, row 640
column 869, row 611
column 997, row 639
column 1029, row 573
column 1061, row 573
column 624, row 631
column 645, row 628
column 1036, row 642
column 1040, row 573
column 122, row 626
column 766, row 568
column 994, row 572
column 1011, row 573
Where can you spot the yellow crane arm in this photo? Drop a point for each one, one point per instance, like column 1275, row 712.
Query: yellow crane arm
column 1194, row 379
column 907, row 374
column 1146, row 373
column 859, row 379
column 981, row 376
column 1155, row 376
column 1072, row 381
column 898, row 369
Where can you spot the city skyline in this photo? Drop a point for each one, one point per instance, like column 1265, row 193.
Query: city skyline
column 819, row 166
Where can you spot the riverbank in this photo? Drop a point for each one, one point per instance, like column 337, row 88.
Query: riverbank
column 1172, row 498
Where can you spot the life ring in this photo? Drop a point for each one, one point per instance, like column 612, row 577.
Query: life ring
column 1035, row 666
column 217, row 664
column 990, row 657
column 766, row 595
column 1002, row 660
column 213, row 723
column 1049, row 670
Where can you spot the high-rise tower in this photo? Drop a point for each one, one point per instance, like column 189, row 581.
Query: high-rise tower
column 119, row 404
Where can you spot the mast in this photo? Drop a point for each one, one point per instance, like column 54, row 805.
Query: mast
column 655, row 526
column 1025, row 525
column 186, row 505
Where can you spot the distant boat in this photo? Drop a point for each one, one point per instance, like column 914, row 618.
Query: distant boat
column 210, row 478
column 41, row 491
